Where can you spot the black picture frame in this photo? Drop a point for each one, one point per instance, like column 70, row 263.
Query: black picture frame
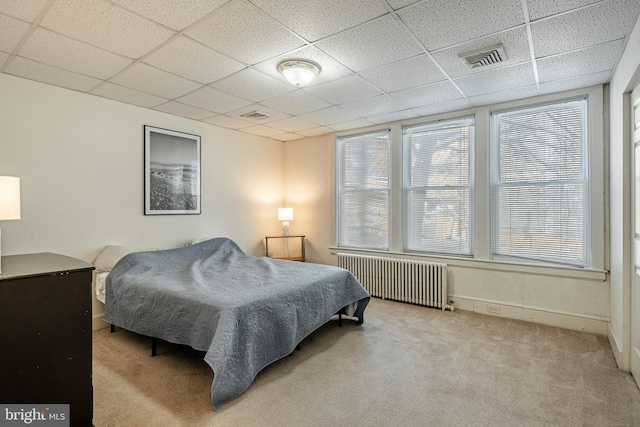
column 172, row 170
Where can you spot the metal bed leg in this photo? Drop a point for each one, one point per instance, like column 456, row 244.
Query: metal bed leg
column 340, row 320
column 113, row 328
column 154, row 347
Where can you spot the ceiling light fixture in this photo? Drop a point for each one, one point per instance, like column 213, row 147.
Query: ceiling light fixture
column 298, row 72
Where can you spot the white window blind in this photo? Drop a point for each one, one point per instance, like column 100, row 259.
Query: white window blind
column 364, row 190
column 438, row 187
column 539, row 176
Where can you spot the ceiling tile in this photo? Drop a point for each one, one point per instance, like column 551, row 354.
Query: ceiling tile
column 370, row 45
column 287, row 137
column 515, row 43
column 125, row 94
column 213, row 60
column 543, row 8
column 314, row 20
column 373, row 106
column 191, row 60
column 594, row 25
column 327, row 116
column 504, row 96
column 244, row 32
column 147, row 79
column 497, row 80
column 321, row 130
column 23, row 9
column 575, row 82
column 212, row 99
column 392, row 117
column 398, row 4
column 106, row 25
column 352, row 124
column 412, row 72
column 347, row 89
column 586, row 61
column 438, row 24
column 47, row 74
column 429, row 94
column 175, row 14
column 62, row 52
column 442, row 107
column 228, row 122
column 330, row 68
column 253, row 85
column 11, row 32
column 262, row 130
column 180, row 109
column 295, row 103
column 292, row 124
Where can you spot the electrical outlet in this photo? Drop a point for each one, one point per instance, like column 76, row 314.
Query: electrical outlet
column 494, row 309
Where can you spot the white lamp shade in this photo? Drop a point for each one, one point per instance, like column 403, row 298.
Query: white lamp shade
column 9, row 197
column 285, row 214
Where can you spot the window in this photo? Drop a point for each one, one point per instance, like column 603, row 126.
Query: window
column 438, row 187
column 363, row 184
column 517, row 189
column 539, row 183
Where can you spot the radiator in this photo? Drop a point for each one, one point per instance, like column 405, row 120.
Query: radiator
column 406, row 280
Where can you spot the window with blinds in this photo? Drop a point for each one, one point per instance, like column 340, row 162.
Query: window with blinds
column 363, row 184
column 438, row 187
column 539, row 183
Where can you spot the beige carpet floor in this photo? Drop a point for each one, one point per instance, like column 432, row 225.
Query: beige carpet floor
column 405, row 366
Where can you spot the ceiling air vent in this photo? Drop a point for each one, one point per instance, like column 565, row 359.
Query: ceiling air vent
column 255, row 115
column 486, row 56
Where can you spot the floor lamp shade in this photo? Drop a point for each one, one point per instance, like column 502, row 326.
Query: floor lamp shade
column 9, row 202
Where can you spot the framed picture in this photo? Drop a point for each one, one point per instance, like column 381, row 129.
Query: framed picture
column 171, row 172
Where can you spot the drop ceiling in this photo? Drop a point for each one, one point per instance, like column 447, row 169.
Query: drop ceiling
column 382, row 60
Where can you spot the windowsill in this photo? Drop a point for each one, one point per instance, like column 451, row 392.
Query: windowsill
column 504, row 266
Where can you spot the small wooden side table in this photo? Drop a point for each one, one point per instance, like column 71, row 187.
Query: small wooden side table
column 290, row 236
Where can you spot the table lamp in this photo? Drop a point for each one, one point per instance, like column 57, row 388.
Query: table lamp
column 285, row 215
column 9, row 202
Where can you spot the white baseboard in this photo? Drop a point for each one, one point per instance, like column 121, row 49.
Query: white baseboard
column 577, row 322
column 616, row 348
column 97, row 323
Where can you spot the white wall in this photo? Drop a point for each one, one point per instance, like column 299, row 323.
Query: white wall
column 80, row 161
column 573, row 299
column 624, row 79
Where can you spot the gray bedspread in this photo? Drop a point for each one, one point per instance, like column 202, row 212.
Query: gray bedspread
column 245, row 312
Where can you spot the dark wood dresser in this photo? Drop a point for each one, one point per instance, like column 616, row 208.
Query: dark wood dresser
column 45, row 333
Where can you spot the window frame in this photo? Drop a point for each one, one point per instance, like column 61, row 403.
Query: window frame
column 494, row 143
column 338, row 191
column 470, row 185
column 482, row 252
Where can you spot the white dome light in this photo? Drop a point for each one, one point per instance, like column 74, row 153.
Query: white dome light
column 298, row 72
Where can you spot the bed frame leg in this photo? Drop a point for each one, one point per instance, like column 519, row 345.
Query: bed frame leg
column 113, row 328
column 340, row 320
column 154, row 347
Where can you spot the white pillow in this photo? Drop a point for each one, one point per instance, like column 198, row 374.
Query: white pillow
column 101, row 285
column 110, row 255
column 198, row 240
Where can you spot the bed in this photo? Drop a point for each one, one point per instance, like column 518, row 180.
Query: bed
column 245, row 312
